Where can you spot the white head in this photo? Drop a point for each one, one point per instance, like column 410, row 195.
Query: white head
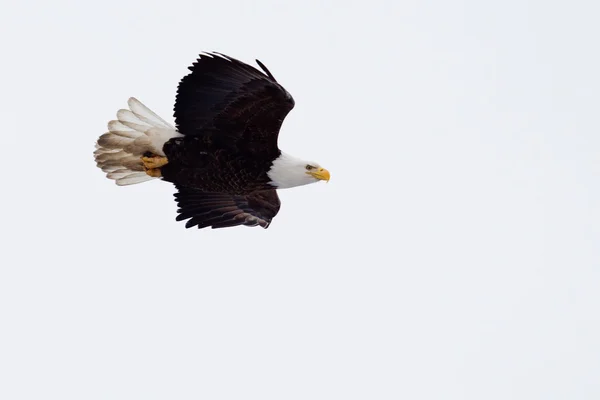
column 288, row 171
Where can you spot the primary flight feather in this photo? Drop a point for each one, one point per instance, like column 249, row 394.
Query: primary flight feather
column 222, row 153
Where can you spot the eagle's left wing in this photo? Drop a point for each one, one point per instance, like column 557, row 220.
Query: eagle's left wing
column 232, row 100
column 220, row 210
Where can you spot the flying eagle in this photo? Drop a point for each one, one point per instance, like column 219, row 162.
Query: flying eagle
column 222, row 156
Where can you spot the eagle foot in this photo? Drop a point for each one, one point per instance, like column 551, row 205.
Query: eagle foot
column 154, row 172
column 153, row 161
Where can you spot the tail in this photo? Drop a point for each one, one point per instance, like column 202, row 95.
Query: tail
column 136, row 132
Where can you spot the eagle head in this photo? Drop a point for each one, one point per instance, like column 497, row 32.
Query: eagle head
column 288, row 171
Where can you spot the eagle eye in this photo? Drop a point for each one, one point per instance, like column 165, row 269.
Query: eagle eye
column 309, row 167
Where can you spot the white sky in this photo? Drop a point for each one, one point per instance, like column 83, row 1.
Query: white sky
column 454, row 254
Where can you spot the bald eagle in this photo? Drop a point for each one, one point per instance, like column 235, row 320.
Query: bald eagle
column 221, row 155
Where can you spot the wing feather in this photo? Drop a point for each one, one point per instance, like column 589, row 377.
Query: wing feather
column 220, row 210
column 227, row 97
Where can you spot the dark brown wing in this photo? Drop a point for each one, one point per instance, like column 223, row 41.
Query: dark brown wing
column 220, row 210
column 225, row 96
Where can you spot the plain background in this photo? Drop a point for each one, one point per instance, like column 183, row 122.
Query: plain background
column 453, row 255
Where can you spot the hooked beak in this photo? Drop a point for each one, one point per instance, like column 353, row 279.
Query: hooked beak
column 321, row 174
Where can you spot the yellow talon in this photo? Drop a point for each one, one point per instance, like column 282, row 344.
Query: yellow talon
column 154, row 172
column 154, row 162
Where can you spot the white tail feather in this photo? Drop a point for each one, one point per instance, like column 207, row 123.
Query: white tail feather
column 135, row 132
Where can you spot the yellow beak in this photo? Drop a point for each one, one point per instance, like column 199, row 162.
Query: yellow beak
column 321, row 174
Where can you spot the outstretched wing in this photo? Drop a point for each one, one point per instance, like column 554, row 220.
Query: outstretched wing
column 231, row 98
column 220, row 210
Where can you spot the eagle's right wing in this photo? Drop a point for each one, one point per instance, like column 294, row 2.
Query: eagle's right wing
column 229, row 98
column 219, row 210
